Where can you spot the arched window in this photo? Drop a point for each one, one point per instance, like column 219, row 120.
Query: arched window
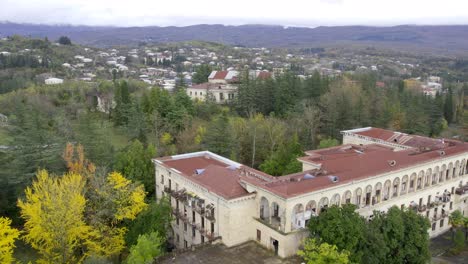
column 264, row 209
column 297, row 218
column 396, row 187
column 335, row 200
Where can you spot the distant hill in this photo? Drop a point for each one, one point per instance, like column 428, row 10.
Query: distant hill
column 442, row 38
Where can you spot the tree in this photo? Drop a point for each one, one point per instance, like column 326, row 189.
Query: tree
column 201, row 74
column 405, row 235
column 328, row 142
column 284, row 159
column 134, row 162
column 111, row 201
column 342, row 227
column 53, row 210
column 64, row 40
column 218, row 137
column 149, row 246
column 123, row 104
column 322, row 253
column 156, row 218
column 8, row 235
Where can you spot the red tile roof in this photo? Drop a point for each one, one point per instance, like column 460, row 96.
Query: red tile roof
column 216, row 176
column 399, row 138
column 264, row 75
column 220, row 75
column 347, row 162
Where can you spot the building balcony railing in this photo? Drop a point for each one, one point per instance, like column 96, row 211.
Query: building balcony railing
column 211, row 236
column 167, row 190
column 462, row 190
column 176, row 212
column 422, row 208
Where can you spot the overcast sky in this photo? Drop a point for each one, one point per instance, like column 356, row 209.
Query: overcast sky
column 309, row 13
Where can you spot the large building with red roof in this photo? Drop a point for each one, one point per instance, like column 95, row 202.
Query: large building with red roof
column 217, row 199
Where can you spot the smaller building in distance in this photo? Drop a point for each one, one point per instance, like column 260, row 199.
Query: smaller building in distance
column 221, row 87
column 52, row 81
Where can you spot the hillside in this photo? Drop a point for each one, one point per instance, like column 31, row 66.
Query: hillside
column 447, row 39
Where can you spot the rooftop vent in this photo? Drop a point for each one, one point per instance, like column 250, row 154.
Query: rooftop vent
column 333, row 178
column 231, row 167
column 392, row 162
column 442, row 153
column 308, row 176
column 199, row 171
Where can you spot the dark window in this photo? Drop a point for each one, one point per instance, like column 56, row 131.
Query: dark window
column 259, row 235
column 442, row 223
column 203, row 222
column 193, row 231
column 185, row 244
column 202, row 239
column 193, row 216
column 212, row 227
column 433, row 226
column 185, row 226
column 178, row 238
column 162, row 179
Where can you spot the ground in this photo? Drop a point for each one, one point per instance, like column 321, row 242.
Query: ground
column 247, row 253
column 440, row 250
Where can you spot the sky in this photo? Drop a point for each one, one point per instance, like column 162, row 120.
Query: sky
column 308, row 13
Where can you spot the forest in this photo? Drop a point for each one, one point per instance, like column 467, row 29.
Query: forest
column 101, row 137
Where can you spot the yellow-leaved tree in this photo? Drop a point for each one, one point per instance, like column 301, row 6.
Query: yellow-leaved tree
column 81, row 213
column 8, row 235
column 53, row 210
column 111, row 201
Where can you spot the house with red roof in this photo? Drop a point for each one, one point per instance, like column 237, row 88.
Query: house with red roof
column 221, row 87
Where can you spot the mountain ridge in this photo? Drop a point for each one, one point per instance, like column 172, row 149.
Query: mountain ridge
column 435, row 37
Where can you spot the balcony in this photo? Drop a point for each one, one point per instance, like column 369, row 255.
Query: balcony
column 211, row 236
column 463, row 190
column 422, row 208
column 167, row 190
column 176, row 212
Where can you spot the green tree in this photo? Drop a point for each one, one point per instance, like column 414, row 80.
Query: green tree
column 149, row 247
column 134, row 162
column 328, row 142
column 201, row 74
column 342, row 227
column 323, row 253
column 64, row 40
column 156, row 218
column 218, row 136
column 123, row 104
column 284, row 159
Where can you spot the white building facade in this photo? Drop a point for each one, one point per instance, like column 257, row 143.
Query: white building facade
column 216, row 199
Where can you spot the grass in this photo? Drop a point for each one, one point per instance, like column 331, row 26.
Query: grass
column 5, row 139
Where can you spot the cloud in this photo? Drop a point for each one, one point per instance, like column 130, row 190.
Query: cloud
column 180, row 13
